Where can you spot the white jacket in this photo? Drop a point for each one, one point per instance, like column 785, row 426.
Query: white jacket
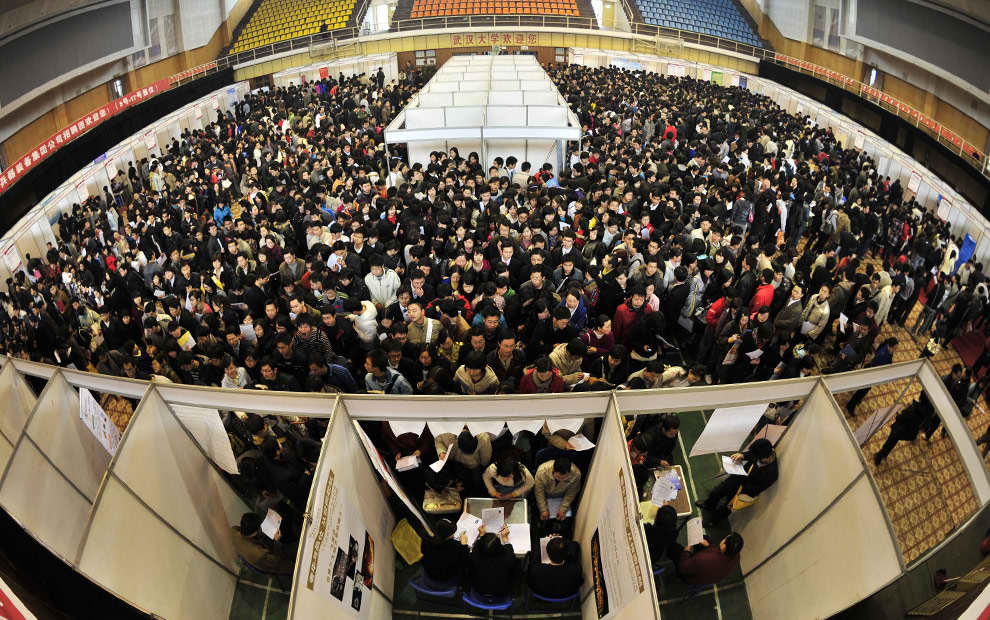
column 383, row 288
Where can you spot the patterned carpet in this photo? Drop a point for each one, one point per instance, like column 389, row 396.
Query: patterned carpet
column 923, row 484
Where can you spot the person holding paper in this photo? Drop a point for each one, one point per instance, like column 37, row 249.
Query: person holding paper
column 507, row 479
column 558, row 478
column 260, row 552
column 493, row 567
column 560, row 578
column 761, row 463
column 469, row 457
column 445, row 558
column 815, row 315
column 705, row 564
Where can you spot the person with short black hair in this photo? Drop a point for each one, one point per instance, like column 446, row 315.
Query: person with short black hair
column 258, row 551
column 445, row 558
column 562, row 576
column 705, row 564
column 762, row 470
column 556, row 478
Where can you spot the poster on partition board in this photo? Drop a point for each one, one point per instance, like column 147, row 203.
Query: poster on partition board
column 338, row 557
column 914, row 182
column 617, row 568
column 97, row 421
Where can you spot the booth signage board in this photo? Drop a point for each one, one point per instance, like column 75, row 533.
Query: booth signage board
column 95, row 118
column 12, row 258
column 471, row 39
column 617, row 575
column 97, row 421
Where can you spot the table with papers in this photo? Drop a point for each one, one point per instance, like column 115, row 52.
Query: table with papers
column 514, row 513
column 680, row 501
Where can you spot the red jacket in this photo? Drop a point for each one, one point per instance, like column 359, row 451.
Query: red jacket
column 625, row 317
column 715, row 312
column 528, row 386
column 762, row 297
column 705, row 567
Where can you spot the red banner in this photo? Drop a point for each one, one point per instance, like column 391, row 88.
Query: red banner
column 41, row 152
column 324, row 73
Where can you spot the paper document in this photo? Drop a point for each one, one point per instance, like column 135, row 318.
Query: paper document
column 732, row 468
column 553, row 507
column 580, row 442
column 270, row 525
column 439, row 464
column 468, row 525
column 665, row 488
column 755, row 354
column 406, row 463
column 695, row 532
column 493, row 519
column 806, row 327
column 247, row 333
column 843, row 319
column 519, row 538
column 544, row 558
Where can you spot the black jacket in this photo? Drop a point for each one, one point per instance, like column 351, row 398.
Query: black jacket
column 552, row 581
column 444, row 560
column 493, row 576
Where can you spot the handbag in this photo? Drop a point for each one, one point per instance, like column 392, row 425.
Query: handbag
column 740, row 500
column 732, row 355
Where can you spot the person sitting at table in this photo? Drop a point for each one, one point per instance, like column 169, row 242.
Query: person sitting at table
column 445, row 558
column 493, row 565
column 761, row 464
column 259, row 551
column 469, row 456
column 562, row 577
column 662, row 533
column 706, row 564
column 557, row 478
column 639, row 455
column 663, row 434
column 508, row 479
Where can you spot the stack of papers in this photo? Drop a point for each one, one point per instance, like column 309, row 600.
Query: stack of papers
column 468, row 525
column 553, row 506
column 493, row 519
column 519, row 538
column 406, row 463
column 665, row 489
column 732, row 468
column 273, row 521
column 695, row 532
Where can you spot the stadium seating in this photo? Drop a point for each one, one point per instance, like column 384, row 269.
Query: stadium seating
column 440, row 8
column 718, row 18
column 280, row 20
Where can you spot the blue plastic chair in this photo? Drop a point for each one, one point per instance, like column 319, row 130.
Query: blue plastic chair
column 556, row 602
column 487, row 603
column 432, row 593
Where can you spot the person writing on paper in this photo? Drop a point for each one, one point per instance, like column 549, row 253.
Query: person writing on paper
column 705, row 564
column 815, row 315
column 507, row 479
column 259, row 551
column 761, row 463
column 445, row 558
column 562, row 577
column 493, row 565
column 469, row 456
column 559, row 478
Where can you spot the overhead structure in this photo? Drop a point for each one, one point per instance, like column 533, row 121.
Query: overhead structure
column 495, row 106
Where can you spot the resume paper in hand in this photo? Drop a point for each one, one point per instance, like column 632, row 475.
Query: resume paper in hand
column 732, row 468
column 493, row 519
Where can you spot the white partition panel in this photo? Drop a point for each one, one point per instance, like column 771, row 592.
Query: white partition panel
column 505, row 98
column 143, row 560
column 470, row 99
column 197, row 501
column 18, row 402
column 506, row 116
column 842, row 558
column 345, row 502
column 817, row 453
column 608, row 528
column 469, row 116
column 546, row 116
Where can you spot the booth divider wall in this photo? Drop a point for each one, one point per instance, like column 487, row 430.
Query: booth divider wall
column 150, row 523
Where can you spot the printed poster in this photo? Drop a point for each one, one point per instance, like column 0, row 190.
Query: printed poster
column 96, row 420
column 338, row 556
column 617, row 569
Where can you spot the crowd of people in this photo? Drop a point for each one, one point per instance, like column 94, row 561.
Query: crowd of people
column 699, row 234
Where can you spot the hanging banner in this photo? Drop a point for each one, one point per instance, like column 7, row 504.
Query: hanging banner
column 944, row 207
column 12, row 258
column 150, row 141
column 97, row 421
column 914, row 182
column 324, row 73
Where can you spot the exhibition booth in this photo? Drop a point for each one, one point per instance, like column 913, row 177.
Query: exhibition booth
column 147, row 515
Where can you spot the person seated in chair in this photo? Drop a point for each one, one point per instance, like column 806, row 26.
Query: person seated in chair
column 493, row 565
column 445, row 559
column 260, row 552
column 661, row 534
column 508, row 479
column 761, row 463
column 559, row 478
column 706, row 564
column 562, row 577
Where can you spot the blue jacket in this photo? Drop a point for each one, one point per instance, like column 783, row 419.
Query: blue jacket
column 580, row 316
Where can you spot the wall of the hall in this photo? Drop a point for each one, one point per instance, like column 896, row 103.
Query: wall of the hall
column 949, row 105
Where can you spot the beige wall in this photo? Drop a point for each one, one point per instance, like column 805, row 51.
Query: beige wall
column 926, row 102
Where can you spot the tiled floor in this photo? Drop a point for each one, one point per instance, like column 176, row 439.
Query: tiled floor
column 923, row 484
column 260, row 597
